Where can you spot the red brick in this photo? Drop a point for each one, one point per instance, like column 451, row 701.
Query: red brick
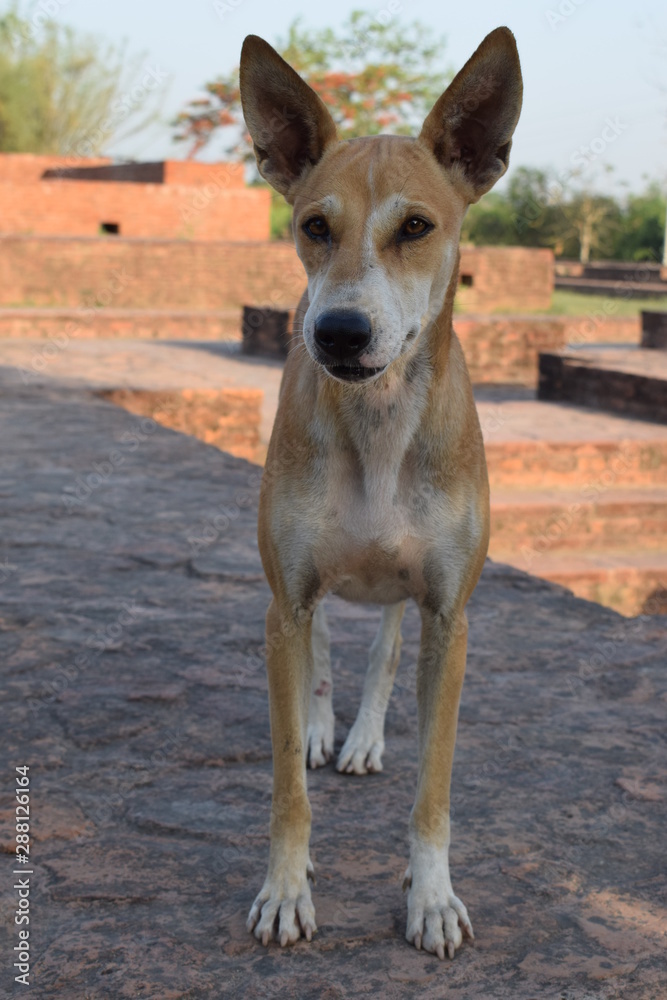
column 505, row 278
column 178, row 200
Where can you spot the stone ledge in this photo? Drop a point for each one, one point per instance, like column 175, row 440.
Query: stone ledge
column 631, row 382
column 226, row 418
column 61, row 325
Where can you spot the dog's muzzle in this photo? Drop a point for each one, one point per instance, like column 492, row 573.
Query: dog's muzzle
column 341, row 337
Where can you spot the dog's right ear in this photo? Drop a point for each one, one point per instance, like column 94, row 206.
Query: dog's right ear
column 288, row 123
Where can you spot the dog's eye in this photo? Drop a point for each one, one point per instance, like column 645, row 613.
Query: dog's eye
column 415, row 226
column 316, row 227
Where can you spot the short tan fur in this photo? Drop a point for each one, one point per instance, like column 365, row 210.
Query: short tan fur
column 375, row 486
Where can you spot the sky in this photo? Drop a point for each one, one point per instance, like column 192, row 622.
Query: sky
column 595, row 71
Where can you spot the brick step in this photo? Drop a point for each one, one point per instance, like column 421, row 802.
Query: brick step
column 62, row 324
column 530, row 523
column 597, row 328
column 631, row 382
column 228, row 418
column 590, row 466
column 613, row 287
column 634, row 272
column 631, row 583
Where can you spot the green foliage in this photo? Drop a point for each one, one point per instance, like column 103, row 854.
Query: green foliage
column 281, row 218
column 642, row 234
column 375, row 76
column 280, row 212
column 63, row 92
column 489, row 222
column 537, row 211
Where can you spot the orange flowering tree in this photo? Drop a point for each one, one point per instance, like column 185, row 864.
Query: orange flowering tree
column 375, row 75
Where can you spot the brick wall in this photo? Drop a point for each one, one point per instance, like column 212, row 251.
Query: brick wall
column 226, row 418
column 147, row 274
column 505, row 349
column 505, row 278
column 173, row 199
column 228, row 175
column 29, row 168
column 76, row 207
column 596, row 328
column 65, row 324
column 222, row 275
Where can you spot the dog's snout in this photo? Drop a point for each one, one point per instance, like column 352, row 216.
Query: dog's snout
column 342, row 335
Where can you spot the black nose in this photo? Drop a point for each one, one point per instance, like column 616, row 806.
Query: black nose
column 342, row 335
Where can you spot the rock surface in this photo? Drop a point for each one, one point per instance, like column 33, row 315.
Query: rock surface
column 134, row 688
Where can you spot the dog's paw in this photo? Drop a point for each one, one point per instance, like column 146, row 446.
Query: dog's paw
column 363, row 748
column 436, row 918
column 283, row 910
column 320, row 736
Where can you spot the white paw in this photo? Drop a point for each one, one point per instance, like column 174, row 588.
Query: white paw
column 320, row 732
column 364, row 746
column 284, row 910
column 436, row 917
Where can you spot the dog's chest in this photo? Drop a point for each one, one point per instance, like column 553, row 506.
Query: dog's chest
column 380, row 512
column 372, row 474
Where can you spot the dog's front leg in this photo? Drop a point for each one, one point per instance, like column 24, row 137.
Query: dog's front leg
column 435, row 914
column 285, row 898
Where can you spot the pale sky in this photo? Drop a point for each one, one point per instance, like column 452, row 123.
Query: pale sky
column 595, row 71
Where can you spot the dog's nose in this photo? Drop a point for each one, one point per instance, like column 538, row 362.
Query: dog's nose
column 342, row 334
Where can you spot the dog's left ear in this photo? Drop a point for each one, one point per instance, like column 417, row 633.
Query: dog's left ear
column 470, row 128
column 288, row 123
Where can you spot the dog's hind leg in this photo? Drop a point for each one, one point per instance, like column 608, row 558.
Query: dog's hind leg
column 320, row 712
column 363, row 748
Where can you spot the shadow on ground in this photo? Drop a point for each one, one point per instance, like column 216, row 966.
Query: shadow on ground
column 134, row 688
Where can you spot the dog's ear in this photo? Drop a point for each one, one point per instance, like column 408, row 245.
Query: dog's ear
column 288, row 123
column 470, row 128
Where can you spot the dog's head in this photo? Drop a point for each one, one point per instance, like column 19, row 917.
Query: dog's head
column 377, row 220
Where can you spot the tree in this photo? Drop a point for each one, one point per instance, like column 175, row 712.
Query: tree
column 572, row 218
column 527, row 214
column 594, row 218
column 62, row 92
column 375, row 76
column 490, row 222
column 642, row 233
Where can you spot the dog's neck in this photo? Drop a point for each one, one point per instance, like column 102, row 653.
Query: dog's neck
column 381, row 419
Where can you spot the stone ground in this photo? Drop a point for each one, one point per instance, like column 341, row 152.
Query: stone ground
column 134, row 688
column 146, row 364
column 508, row 413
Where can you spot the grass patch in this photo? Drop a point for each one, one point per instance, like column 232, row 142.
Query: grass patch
column 565, row 303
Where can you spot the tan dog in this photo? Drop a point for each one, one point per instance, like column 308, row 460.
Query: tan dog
column 375, row 486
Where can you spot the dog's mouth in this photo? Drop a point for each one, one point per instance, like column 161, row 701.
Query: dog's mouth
column 352, row 373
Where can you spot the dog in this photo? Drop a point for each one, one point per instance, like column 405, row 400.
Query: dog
column 375, row 486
